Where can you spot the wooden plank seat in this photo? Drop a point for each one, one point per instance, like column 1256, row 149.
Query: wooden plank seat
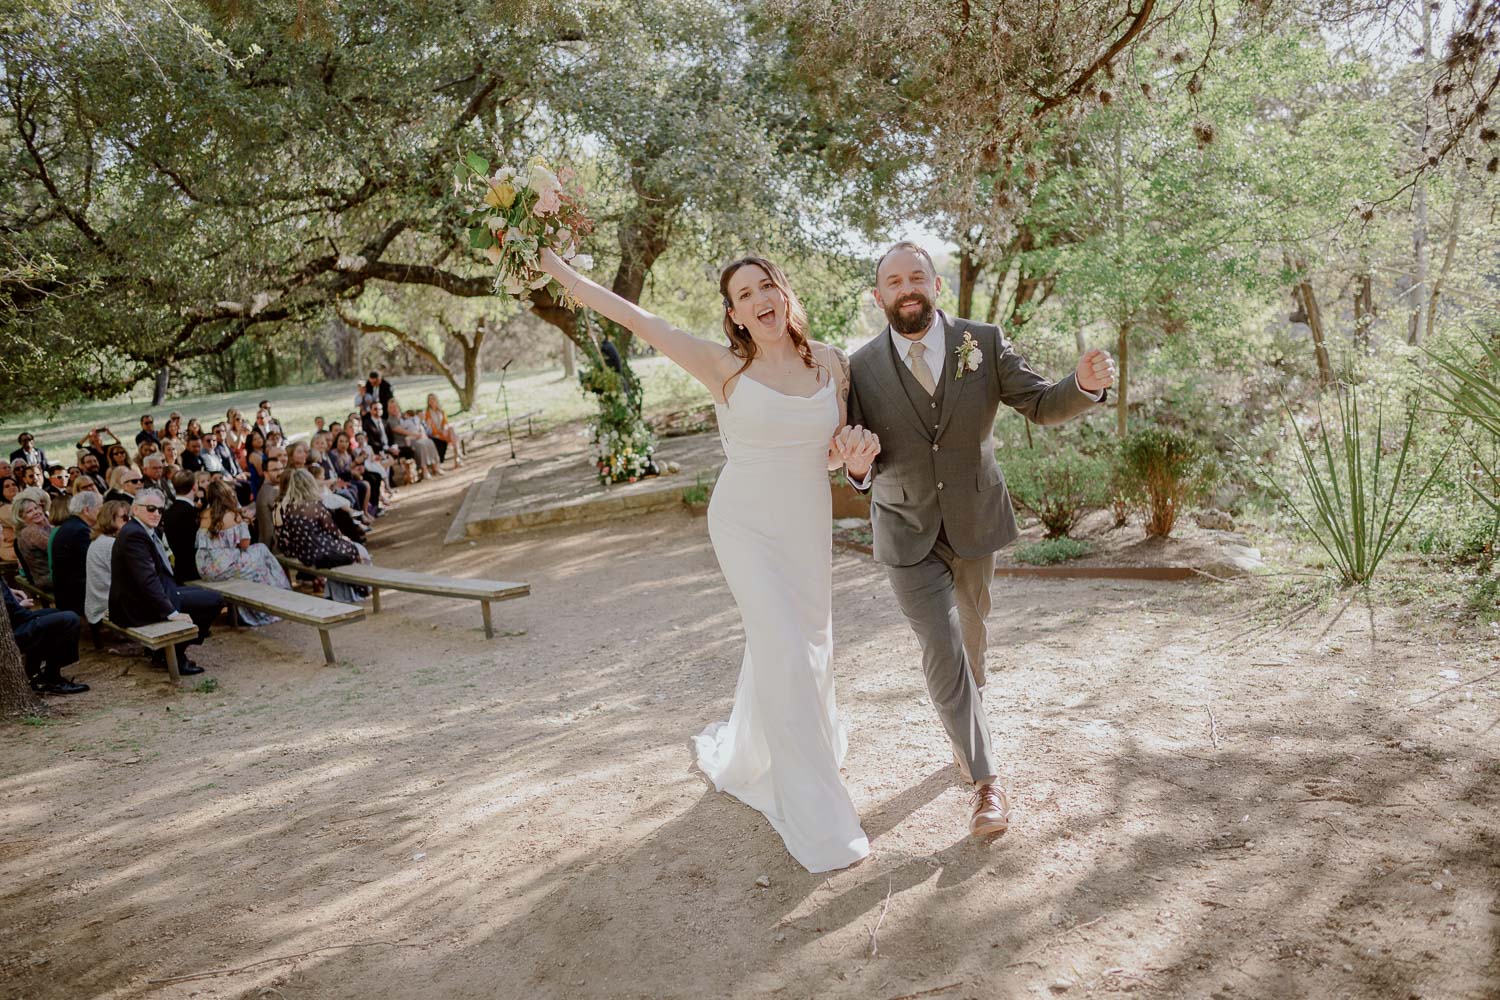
column 158, row 635
column 378, row 577
column 289, row 604
column 469, row 430
column 42, row 597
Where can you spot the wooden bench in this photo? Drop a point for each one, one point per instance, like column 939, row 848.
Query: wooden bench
column 468, row 430
column 43, row 597
column 290, row 604
column 158, row 635
column 377, row 577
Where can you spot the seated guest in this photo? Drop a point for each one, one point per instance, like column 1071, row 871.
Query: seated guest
column 108, row 521
column 29, row 513
column 147, row 431
column 319, row 426
column 8, row 490
column 192, row 456
column 194, row 426
column 57, row 508
column 56, row 482
column 141, row 588
column 407, row 428
column 265, row 500
column 48, row 641
column 255, row 458
column 154, row 471
column 29, row 452
column 305, row 532
column 26, row 475
column 444, row 435
column 146, row 448
column 179, row 526
column 88, row 469
column 70, row 550
column 83, row 484
column 170, row 447
column 271, row 422
column 339, row 506
column 347, row 466
column 92, row 443
column 225, row 551
column 116, row 456
column 6, row 470
column 124, row 484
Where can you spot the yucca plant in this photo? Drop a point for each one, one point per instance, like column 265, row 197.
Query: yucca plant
column 1354, row 511
column 1474, row 394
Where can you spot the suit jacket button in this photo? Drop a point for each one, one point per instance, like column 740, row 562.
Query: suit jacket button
column 934, row 447
column 940, row 485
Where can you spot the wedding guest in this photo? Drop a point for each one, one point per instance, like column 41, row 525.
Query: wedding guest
column 272, row 422
column 444, row 435
column 6, row 470
column 29, row 514
column 408, row 428
column 108, row 521
column 117, row 456
column 147, row 449
column 305, row 532
column 192, row 456
column 338, row 507
column 179, row 526
column 141, row 588
column 155, row 477
column 89, row 469
column 57, row 513
column 147, row 431
column 265, row 501
column 48, row 641
column 92, row 443
column 27, row 475
column 318, row 426
column 348, row 467
column 255, row 457
column 56, row 482
column 124, row 484
column 70, row 548
column 28, row 452
column 194, row 427
column 226, row 552
column 84, row 484
column 169, row 450
column 8, row 490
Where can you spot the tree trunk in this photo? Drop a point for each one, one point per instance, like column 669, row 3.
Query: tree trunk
column 643, row 238
column 569, row 359
column 1364, row 312
column 1122, row 384
column 16, row 696
column 969, row 270
column 1419, row 291
column 159, row 391
column 1309, row 301
column 471, row 348
column 1450, row 248
column 1002, row 271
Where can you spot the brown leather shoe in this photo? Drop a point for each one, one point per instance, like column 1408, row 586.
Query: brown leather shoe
column 991, row 815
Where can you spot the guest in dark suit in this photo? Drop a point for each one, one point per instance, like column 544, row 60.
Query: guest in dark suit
column 141, row 588
column 179, row 526
column 70, row 550
column 48, row 641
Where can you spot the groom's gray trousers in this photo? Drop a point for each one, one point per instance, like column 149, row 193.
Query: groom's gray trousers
column 945, row 599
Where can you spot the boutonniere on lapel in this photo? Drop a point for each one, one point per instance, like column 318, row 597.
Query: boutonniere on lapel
column 969, row 356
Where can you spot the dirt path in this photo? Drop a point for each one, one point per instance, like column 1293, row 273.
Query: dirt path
column 444, row 817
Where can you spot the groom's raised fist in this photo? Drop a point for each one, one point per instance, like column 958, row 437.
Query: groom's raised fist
column 1096, row 371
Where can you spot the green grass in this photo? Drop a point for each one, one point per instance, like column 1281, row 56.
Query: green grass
column 558, row 399
column 37, row 720
column 1050, row 551
column 206, row 686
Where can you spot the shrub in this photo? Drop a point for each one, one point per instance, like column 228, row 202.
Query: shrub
column 1057, row 487
column 1163, row 469
column 1357, row 506
column 1052, row 550
column 696, row 494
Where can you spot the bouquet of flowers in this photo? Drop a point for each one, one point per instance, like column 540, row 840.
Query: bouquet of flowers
column 521, row 211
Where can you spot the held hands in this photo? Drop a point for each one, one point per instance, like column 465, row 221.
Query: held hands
column 858, row 448
column 1096, row 371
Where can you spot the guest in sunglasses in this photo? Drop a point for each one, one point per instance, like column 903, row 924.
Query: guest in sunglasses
column 141, row 588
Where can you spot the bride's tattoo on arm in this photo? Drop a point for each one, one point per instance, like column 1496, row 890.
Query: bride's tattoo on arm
column 843, row 360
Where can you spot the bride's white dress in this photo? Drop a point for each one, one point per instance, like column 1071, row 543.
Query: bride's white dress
column 770, row 520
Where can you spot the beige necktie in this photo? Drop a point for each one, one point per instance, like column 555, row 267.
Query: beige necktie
column 919, row 368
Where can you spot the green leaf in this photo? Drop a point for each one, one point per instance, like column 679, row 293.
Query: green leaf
column 480, row 238
column 478, row 164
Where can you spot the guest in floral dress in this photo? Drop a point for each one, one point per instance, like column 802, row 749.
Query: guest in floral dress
column 305, row 532
column 225, row 550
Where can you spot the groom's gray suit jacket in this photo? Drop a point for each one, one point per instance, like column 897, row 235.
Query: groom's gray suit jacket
column 936, row 466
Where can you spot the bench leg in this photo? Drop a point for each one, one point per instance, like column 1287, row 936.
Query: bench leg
column 375, row 597
column 327, row 646
column 489, row 629
column 172, row 664
column 234, row 616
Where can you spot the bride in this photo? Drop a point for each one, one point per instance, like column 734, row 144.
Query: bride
column 780, row 399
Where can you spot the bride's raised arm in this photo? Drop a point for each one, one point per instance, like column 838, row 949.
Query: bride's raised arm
column 706, row 361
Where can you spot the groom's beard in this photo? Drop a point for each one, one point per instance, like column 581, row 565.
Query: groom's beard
column 909, row 324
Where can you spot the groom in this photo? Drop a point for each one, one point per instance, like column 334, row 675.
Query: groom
column 924, row 395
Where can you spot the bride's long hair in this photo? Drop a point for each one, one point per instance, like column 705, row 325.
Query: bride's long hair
column 741, row 344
